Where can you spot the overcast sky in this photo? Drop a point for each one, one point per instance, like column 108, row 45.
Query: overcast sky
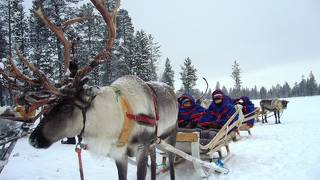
column 273, row 40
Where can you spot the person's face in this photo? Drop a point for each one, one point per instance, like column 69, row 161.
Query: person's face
column 187, row 104
column 218, row 101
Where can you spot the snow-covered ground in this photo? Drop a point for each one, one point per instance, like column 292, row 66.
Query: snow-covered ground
column 290, row 150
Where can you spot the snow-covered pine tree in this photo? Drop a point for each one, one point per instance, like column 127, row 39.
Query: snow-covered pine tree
column 14, row 24
column 41, row 44
column 19, row 26
column 122, row 54
column 168, row 74
column 141, row 60
column 6, row 20
column 188, row 75
column 19, row 29
column 3, row 42
column 91, row 38
column 237, row 78
column 154, row 57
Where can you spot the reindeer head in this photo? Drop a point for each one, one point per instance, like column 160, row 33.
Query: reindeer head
column 63, row 103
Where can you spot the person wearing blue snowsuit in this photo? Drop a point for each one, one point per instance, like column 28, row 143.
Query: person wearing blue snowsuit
column 219, row 111
column 247, row 109
column 189, row 111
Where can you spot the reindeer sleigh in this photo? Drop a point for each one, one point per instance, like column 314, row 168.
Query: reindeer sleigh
column 129, row 118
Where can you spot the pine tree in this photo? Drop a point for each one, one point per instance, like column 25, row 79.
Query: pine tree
column 218, row 85
column 255, row 92
column 123, row 58
column 3, row 43
column 188, row 75
column 285, row 92
column 14, row 24
column 142, row 64
column 225, row 90
column 41, row 43
column 19, row 26
column 303, row 86
column 311, row 85
column 263, row 93
column 6, row 20
column 295, row 90
column 154, row 57
column 168, row 74
column 237, row 78
column 90, row 35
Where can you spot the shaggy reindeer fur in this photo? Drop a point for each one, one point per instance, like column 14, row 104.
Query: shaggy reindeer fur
column 105, row 119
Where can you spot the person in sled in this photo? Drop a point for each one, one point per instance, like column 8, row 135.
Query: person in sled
column 247, row 109
column 189, row 111
column 219, row 112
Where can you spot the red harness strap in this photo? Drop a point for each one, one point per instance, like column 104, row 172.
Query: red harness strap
column 144, row 118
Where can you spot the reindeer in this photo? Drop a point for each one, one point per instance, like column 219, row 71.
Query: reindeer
column 118, row 121
column 274, row 106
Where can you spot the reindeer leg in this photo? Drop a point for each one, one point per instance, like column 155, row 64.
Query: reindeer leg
column 265, row 117
column 122, row 165
column 262, row 114
column 153, row 162
column 142, row 161
column 279, row 117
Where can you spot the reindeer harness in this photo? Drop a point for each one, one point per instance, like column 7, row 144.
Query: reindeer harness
column 129, row 117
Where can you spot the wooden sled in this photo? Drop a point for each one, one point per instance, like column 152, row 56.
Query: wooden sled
column 189, row 142
column 247, row 117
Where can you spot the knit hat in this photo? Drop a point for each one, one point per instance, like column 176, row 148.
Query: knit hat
column 217, row 94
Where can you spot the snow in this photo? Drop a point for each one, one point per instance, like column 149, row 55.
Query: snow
column 286, row 151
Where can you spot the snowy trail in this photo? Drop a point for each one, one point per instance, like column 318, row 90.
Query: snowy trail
column 286, row 151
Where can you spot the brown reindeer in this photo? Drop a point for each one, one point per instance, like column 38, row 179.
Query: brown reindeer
column 118, row 121
column 274, row 106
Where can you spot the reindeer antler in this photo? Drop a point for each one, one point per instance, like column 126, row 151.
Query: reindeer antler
column 41, row 82
column 110, row 19
column 42, row 77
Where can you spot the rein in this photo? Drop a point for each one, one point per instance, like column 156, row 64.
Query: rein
column 79, row 145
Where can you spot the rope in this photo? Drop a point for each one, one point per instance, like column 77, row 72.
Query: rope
column 78, row 151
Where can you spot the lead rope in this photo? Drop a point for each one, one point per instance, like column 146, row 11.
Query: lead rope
column 80, row 146
column 78, row 151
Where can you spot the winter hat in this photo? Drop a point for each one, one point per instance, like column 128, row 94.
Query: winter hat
column 185, row 100
column 217, row 94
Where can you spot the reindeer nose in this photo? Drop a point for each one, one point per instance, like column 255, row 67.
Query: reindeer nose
column 37, row 139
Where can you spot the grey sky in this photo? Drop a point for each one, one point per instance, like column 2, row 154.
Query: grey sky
column 273, row 40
